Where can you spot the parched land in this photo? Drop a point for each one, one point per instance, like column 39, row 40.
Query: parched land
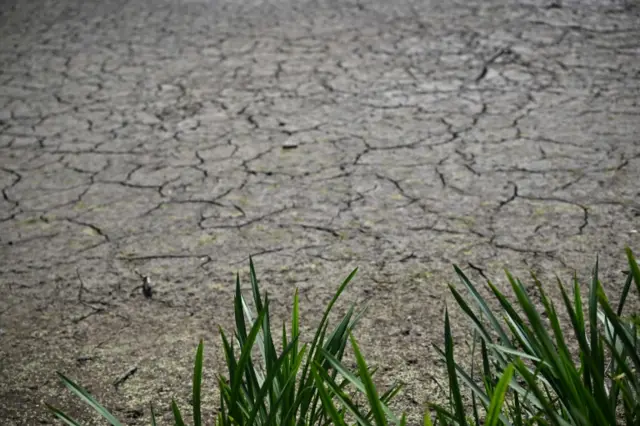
column 173, row 139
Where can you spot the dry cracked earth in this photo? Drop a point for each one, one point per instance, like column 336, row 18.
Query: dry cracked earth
column 173, row 139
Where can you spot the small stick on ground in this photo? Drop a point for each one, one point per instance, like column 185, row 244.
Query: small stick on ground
column 120, row 380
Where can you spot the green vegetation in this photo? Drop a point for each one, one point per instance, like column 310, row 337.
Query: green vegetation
column 533, row 369
column 584, row 374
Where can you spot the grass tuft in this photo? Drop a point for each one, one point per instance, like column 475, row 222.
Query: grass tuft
column 531, row 374
column 533, row 368
column 295, row 386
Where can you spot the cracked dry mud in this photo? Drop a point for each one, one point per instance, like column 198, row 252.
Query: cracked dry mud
column 173, row 139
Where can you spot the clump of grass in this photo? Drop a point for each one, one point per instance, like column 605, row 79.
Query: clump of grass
column 530, row 374
column 528, row 367
column 294, row 386
column 287, row 387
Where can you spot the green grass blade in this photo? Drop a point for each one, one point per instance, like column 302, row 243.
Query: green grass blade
column 403, row 420
column 552, row 317
column 484, row 356
column 254, row 378
column 579, row 328
column 486, row 311
column 537, row 333
column 285, row 343
column 228, row 352
column 563, row 374
column 286, row 415
column 88, row 399
column 483, row 396
column 426, row 420
column 495, row 407
column 284, row 371
column 615, row 387
column 295, row 318
column 445, row 417
column 539, row 395
column 469, row 312
column 356, row 382
column 516, row 415
column 597, row 351
column 197, row 384
column 254, row 285
column 522, row 331
column 266, row 387
column 451, row 371
column 371, row 391
column 621, row 331
column 264, row 341
column 153, row 415
column 520, row 354
column 241, row 327
column 336, row 341
column 593, row 382
column 62, row 416
column 177, row 416
column 338, row 393
column 327, row 403
column 271, row 356
column 306, row 378
column 391, row 393
column 297, row 396
column 230, row 359
column 634, row 270
column 599, row 391
column 625, row 293
column 624, row 368
column 244, row 363
column 523, row 335
column 295, row 333
column 486, row 366
column 576, row 316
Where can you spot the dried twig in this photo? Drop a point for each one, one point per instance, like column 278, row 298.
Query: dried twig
column 120, row 380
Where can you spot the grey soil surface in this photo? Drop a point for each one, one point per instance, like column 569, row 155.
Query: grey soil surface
column 175, row 138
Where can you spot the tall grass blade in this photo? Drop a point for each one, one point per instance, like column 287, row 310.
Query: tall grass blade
column 295, row 333
column 266, row 386
column 625, row 293
column 469, row 312
column 371, row 391
column 634, row 270
column 338, row 393
column 522, row 330
column 451, row 371
column 244, row 365
column 153, row 415
column 622, row 332
column 197, row 385
column 597, row 351
column 88, row 399
column 327, row 402
column 355, row 381
column 427, row 419
column 62, row 416
column 483, row 306
column 177, row 416
column 305, row 398
column 532, row 385
column 254, row 286
column 241, row 327
column 495, row 408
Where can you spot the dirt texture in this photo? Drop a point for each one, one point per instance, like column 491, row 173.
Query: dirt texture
column 173, row 139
